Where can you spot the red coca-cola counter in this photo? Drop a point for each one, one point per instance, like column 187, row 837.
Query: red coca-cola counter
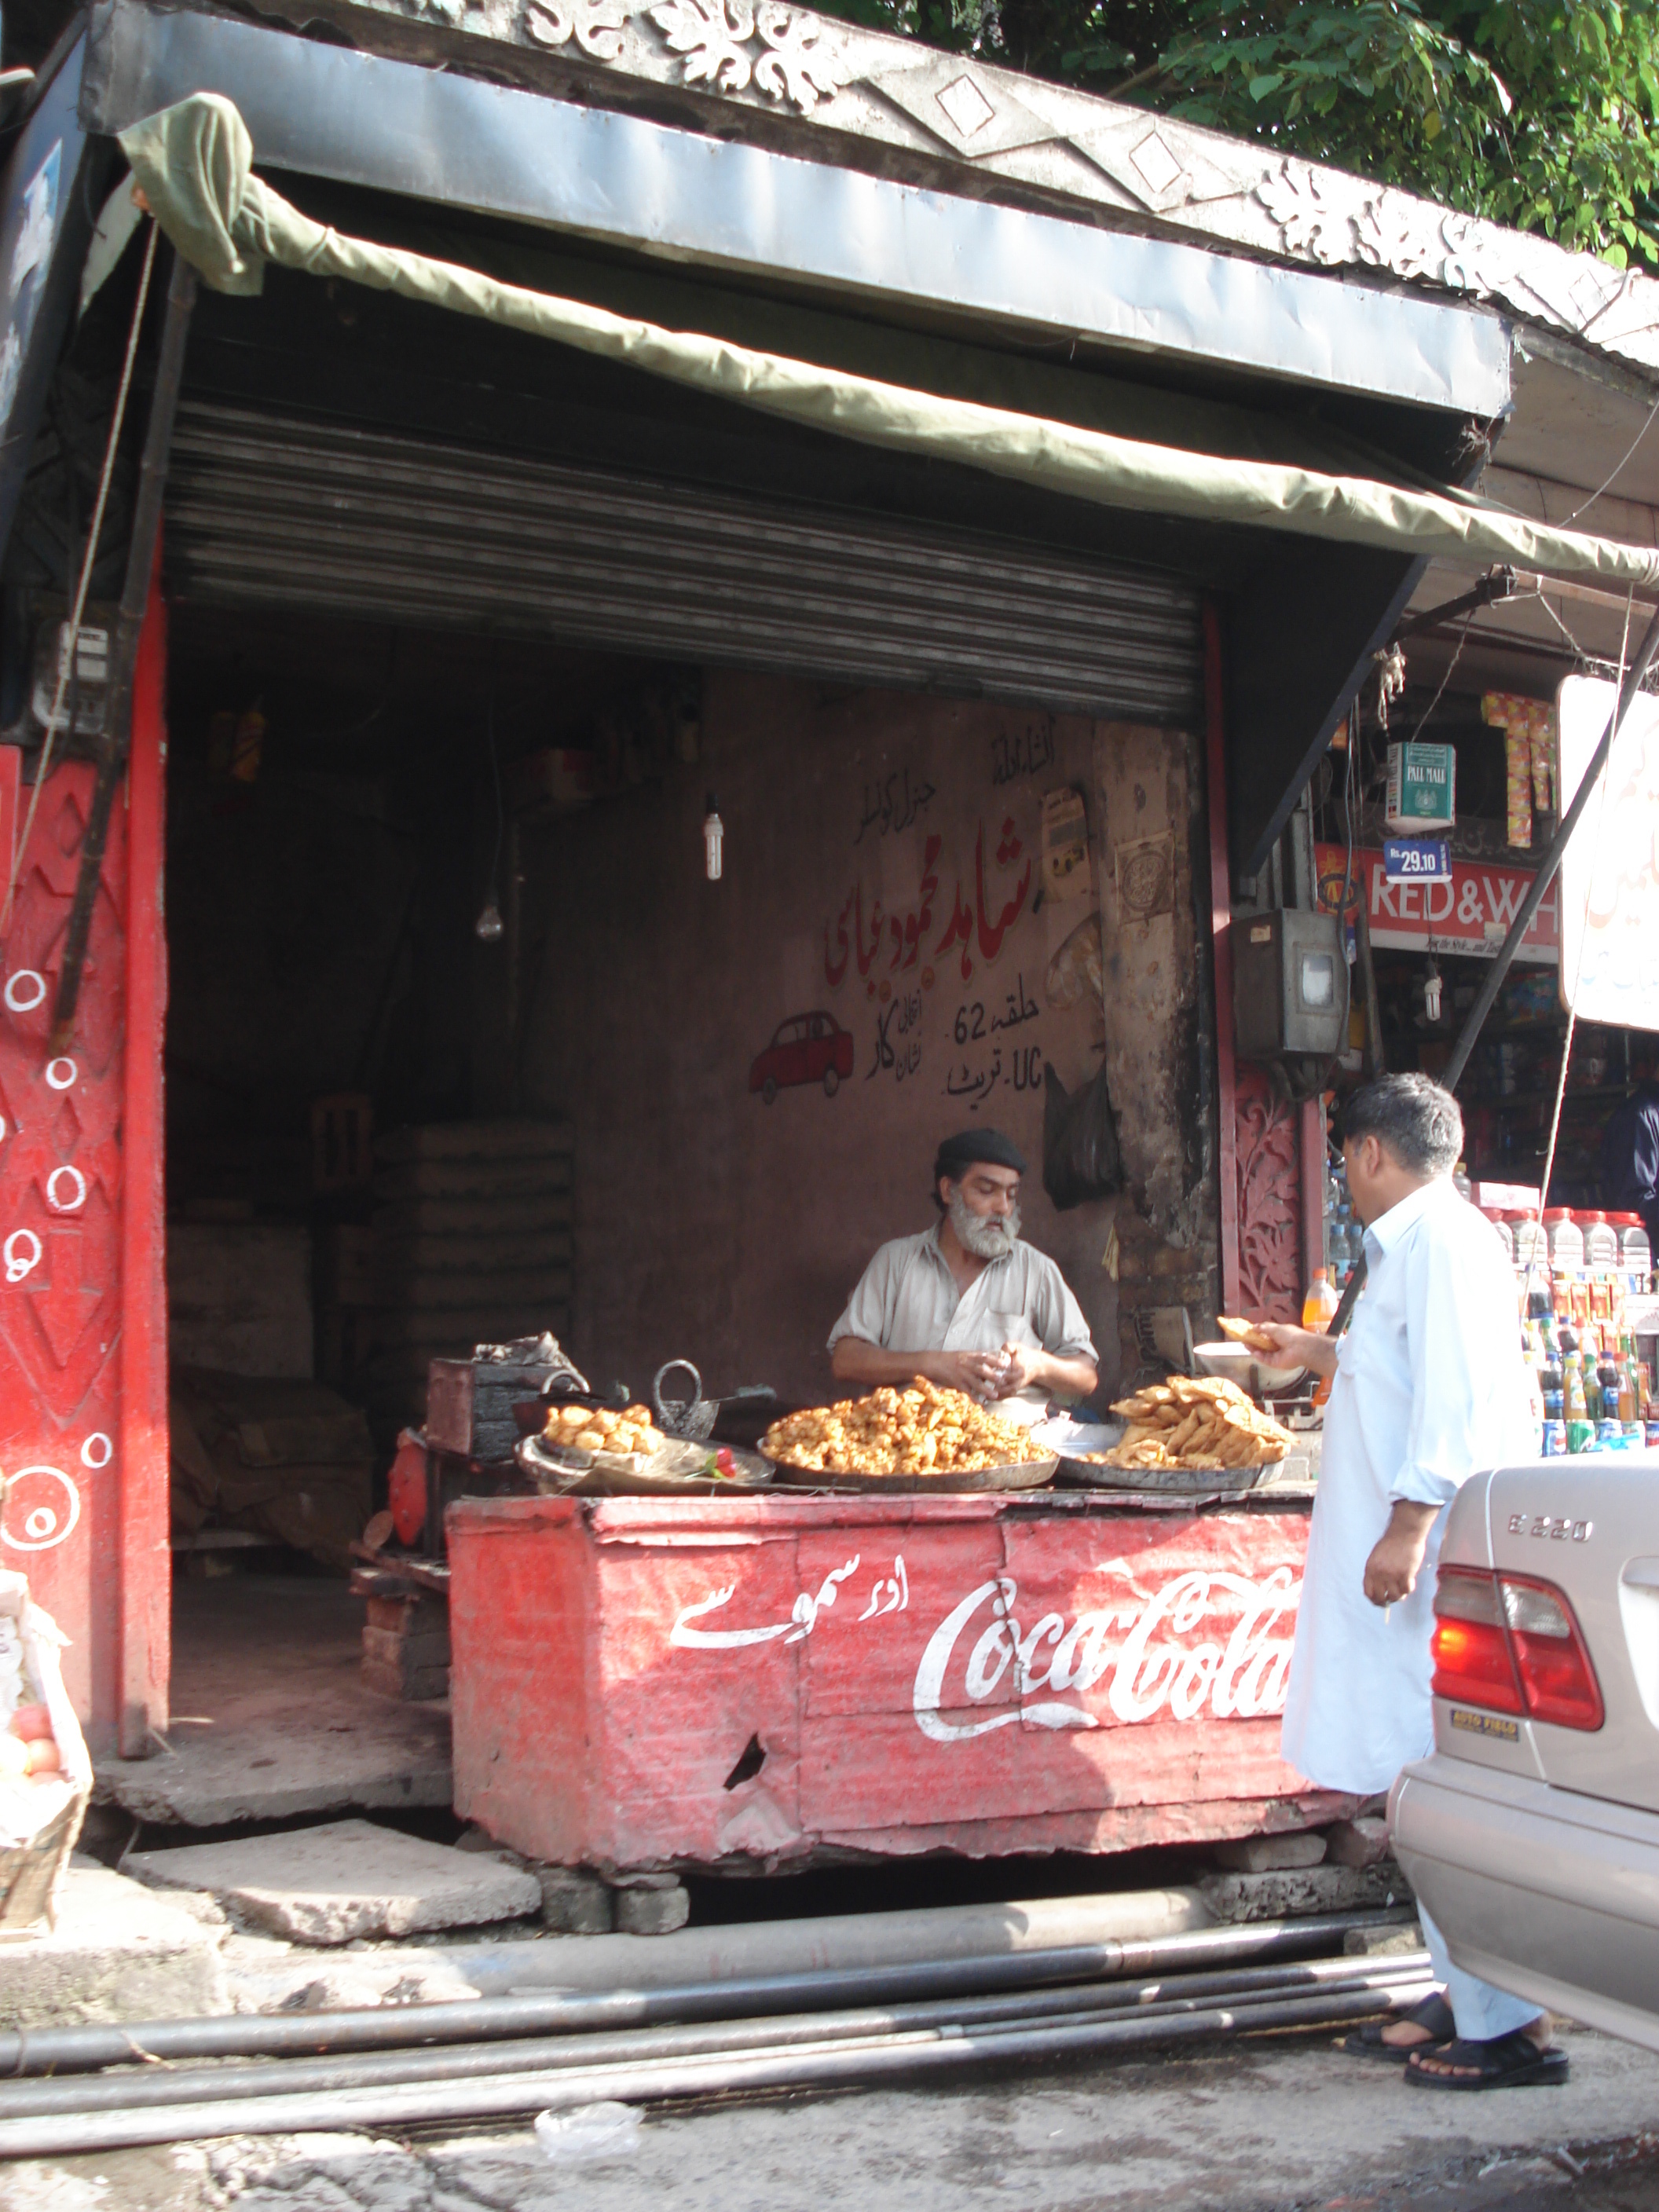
column 642, row 1681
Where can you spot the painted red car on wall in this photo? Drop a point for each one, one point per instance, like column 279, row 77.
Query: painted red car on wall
column 808, row 1049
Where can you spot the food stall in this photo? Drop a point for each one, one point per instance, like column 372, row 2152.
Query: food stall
column 888, row 1664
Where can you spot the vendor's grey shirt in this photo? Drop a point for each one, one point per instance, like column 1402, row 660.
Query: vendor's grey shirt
column 908, row 1301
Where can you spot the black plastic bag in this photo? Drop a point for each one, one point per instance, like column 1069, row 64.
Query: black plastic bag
column 1080, row 1156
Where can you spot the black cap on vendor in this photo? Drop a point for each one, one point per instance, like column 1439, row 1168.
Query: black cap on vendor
column 973, row 1148
column 968, row 1303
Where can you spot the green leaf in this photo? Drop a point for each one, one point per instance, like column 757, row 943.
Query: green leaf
column 1262, row 86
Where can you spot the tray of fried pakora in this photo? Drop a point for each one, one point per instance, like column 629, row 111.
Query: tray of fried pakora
column 923, row 1438
column 1191, row 1432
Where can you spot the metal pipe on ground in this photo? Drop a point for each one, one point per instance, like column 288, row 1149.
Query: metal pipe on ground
column 82, row 2049
column 426, row 2104
column 836, row 1941
column 312, row 2076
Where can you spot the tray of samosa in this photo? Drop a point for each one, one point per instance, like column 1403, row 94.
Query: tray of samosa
column 588, row 1451
column 1190, row 1432
column 922, row 1438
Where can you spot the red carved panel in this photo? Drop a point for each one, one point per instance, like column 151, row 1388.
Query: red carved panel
column 60, row 1229
column 1269, row 1200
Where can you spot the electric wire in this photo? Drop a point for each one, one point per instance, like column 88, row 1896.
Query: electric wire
column 70, row 642
column 1629, row 454
column 1579, row 964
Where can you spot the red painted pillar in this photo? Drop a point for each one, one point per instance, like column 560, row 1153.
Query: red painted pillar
column 82, row 1406
column 146, row 1562
column 1271, row 1156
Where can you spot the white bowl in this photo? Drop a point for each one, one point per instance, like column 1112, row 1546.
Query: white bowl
column 1236, row 1363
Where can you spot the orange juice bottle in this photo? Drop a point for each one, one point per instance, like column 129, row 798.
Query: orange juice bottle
column 1318, row 1312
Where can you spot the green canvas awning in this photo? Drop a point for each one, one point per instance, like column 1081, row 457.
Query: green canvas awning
column 193, row 164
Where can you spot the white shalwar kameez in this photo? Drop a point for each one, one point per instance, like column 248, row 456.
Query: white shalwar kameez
column 1429, row 1390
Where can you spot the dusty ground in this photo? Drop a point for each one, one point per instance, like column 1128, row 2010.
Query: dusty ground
column 1249, row 2127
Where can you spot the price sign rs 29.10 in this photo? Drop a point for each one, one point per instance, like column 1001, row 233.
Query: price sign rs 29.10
column 1417, row 859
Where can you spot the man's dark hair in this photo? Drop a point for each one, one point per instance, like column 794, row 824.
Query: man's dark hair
column 1412, row 1117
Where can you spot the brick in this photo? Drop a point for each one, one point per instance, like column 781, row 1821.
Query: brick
column 1270, row 1854
column 1383, row 1942
column 411, row 1616
column 417, row 1684
column 575, row 1901
column 1358, row 1843
column 654, row 1911
column 406, row 1651
column 1235, row 1897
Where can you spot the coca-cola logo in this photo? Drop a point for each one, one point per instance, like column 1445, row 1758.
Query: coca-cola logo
column 1145, row 1643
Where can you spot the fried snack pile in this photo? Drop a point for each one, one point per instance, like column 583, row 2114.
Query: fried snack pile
column 597, row 1429
column 1185, row 1422
column 1247, row 1333
column 919, row 1431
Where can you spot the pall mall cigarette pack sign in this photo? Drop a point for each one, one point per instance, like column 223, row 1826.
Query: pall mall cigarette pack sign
column 1422, row 787
column 1469, row 912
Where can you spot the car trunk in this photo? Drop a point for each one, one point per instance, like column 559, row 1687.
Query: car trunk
column 1590, row 1531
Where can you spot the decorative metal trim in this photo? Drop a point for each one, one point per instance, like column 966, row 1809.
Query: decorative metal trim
column 1269, row 1200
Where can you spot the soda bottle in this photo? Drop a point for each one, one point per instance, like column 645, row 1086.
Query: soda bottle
column 1572, row 1393
column 1318, row 1312
column 1590, row 1385
column 1537, row 1412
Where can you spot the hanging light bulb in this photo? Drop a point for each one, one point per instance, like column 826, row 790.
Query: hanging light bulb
column 713, row 836
column 1432, row 993
column 488, row 927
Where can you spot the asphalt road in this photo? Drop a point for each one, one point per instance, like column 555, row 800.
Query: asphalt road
column 1251, row 2127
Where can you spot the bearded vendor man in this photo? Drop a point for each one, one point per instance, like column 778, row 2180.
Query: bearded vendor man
column 966, row 1303
column 1429, row 1390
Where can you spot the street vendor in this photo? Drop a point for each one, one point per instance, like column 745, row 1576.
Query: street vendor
column 967, row 1303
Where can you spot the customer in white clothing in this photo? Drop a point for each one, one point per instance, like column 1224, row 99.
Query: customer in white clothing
column 1428, row 1391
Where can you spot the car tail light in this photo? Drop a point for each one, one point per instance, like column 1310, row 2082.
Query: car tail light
column 1556, row 1675
column 1471, row 1647
column 1510, row 1645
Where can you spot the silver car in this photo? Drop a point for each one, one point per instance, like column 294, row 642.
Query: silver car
column 1532, row 1834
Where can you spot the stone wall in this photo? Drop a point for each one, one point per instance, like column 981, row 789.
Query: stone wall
column 1149, row 810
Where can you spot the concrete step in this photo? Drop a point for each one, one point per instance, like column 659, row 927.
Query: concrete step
column 117, row 1952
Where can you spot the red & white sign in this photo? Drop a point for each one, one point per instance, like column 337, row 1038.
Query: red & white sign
column 1471, row 914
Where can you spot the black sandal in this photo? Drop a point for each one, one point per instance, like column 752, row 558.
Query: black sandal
column 1433, row 2014
column 1502, row 2061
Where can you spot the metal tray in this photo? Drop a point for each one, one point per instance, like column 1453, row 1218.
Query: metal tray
column 592, row 1474
column 1173, row 1481
column 1031, row 1474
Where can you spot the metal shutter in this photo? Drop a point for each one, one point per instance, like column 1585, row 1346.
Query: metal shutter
column 266, row 509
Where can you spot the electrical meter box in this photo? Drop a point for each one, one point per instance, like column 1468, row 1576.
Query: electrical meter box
column 1422, row 787
column 1290, row 984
